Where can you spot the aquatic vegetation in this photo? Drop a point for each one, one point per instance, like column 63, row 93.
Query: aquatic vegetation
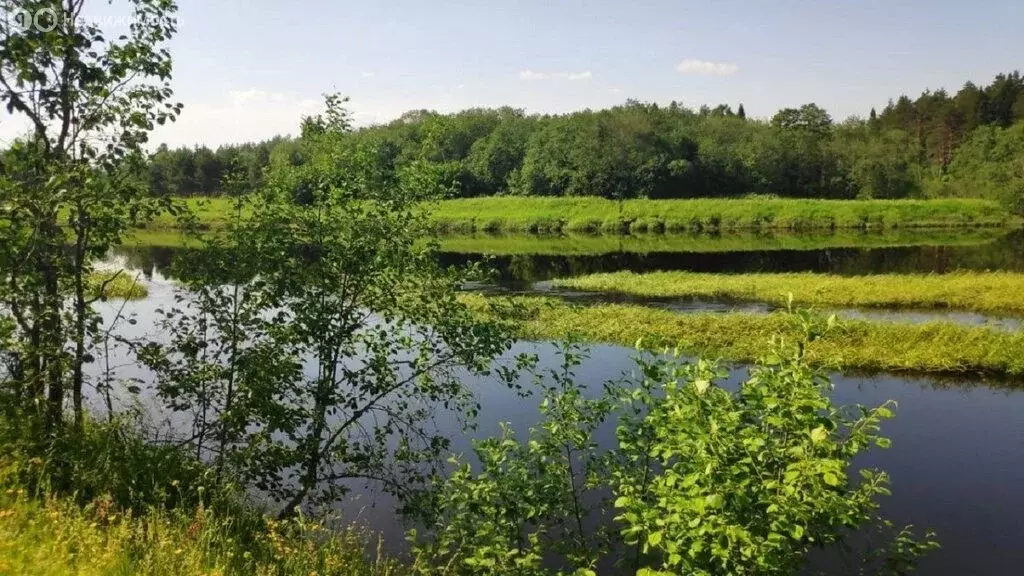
column 937, row 347
column 116, row 285
column 976, row 291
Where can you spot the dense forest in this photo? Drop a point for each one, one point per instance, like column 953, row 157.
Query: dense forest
column 967, row 144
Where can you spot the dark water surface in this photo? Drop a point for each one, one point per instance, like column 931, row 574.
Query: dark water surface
column 957, row 458
column 520, row 261
column 1005, row 252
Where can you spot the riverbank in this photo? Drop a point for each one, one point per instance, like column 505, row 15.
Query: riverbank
column 595, row 215
column 932, row 348
column 991, row 292
column 114, row 503
column 598, row 216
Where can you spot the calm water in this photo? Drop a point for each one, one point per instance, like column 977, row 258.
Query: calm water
column 957, row 460
column 1003, row 253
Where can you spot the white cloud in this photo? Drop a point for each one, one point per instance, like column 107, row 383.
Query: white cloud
column 694, row 66
column 237, row 116
column 533, row 75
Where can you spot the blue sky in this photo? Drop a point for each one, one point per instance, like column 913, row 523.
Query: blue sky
column 249, row 69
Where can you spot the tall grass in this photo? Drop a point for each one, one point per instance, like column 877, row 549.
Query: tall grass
column 995, row 292
column 55, row 536
column 938, row 347
column 597, row 215
column 103, row 501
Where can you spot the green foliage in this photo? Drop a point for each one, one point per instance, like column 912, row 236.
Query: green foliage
column 704, row 480
column 990, row 164
column 752, row 481
column 641, row 150
column 70, row 188
column 110, row 460
column 528, row 500
column 320, row 334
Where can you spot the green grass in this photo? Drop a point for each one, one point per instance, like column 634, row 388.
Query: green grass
column 593, row 215
column 122, row 286
column 938, row 347
column 105, row 501
column 992, row 292
column 54, row 536
column 596, row 215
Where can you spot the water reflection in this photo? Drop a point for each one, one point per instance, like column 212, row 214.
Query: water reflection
column 955, row 464
column 1004, row 252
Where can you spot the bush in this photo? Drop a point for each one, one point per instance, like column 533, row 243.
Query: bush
column 704, row 480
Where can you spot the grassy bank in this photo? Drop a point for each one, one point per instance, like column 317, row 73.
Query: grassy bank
column 940, row 348
column 596, row 215
column 105, row 501
column 991, row 292
column 56, row 537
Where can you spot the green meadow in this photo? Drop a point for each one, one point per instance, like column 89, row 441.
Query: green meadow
column 596, row 215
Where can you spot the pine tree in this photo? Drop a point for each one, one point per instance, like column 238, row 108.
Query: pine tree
column 741, row 112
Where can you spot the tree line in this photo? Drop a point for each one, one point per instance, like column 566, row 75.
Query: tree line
column 933, row 146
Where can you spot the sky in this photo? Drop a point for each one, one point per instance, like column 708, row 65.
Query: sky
column 250, row 69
